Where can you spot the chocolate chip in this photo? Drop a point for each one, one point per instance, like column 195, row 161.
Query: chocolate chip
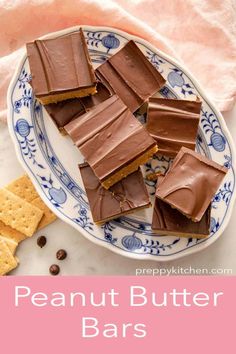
column 61, row 254
column 41, row 241
column 54, row 269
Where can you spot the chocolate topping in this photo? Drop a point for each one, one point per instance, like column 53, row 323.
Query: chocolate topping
column 173, row 124
column 64, row 112
column 60, row 64
column 131, row 75
column 191, row 183
column 103, row 93
column 109, row 137
column 123, row 197
column 166, row 219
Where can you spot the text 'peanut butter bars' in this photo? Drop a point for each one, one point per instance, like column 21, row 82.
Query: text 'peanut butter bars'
column 128, row 195
column 130, row 74
column 191, row 183
column 112, row 140
column 169, row 221
column 173, row 124
column 64, row 112
column 61, row 68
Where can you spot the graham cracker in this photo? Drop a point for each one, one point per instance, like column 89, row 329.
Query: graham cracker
column 23, row 188
column 12, row 245
column 7, row 261
column 8, row 232
column 18, row 213
column 48, row 216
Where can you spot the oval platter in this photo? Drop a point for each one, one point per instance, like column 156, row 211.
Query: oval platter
column 51, row 160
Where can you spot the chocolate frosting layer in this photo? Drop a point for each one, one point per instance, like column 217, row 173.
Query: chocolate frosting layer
column 166, row 219
column 109, row 137
column 191, row 183
column 173, row 124
column 123, row 197
column 65, row 111
column 60, row 64
column 131, row 75
column 103, row 93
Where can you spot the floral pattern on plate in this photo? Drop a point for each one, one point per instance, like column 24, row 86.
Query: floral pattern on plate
column 129, row 235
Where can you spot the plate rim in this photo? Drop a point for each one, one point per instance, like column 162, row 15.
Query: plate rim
column 198, row 86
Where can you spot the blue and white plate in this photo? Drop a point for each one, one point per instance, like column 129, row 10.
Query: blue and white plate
column 51, row 160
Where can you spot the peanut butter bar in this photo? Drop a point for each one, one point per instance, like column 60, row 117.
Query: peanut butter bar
column 173, row 124
column 61, row 68
column 131, row 75
column 124, row 197
column 191, row 183
column 169, row 221
column 112, row 140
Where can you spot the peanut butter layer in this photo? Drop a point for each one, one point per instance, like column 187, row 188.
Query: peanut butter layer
column 61, row 68
column 169, row 221
column 64, row 112
column 133, row 166
column 55, row 98
column 112, row 140
column 191, row 183
column 173, row 124
column 130, row 74
column 124, row 197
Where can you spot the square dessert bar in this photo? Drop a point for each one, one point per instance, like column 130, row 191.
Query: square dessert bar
column 169, row 221
column 173, row 124
column 133, row 78
column 191, row 183
column 124, row 197
column 65, row 111
column 61, row 68
column 112, row 140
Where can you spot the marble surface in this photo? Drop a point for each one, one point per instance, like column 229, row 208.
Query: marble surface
column 86, row 258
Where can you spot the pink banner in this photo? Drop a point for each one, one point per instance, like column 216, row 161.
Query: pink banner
column 112, row 315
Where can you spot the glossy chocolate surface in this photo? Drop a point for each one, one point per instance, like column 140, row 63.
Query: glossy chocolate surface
column 109, row 137
column 191, row 183
column 173, row 124
column 123, row 197
column 64, row 112
column 166, row 219
column 131, row 75
column 60, row 64
column 103, row 93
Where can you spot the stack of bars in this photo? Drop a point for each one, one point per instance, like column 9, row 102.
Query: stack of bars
column 22, row 213
column 96, row 109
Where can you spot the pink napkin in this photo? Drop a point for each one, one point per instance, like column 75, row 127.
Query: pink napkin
column 201, row 34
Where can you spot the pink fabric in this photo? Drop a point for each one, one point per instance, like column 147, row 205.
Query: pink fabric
column 201, row 34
